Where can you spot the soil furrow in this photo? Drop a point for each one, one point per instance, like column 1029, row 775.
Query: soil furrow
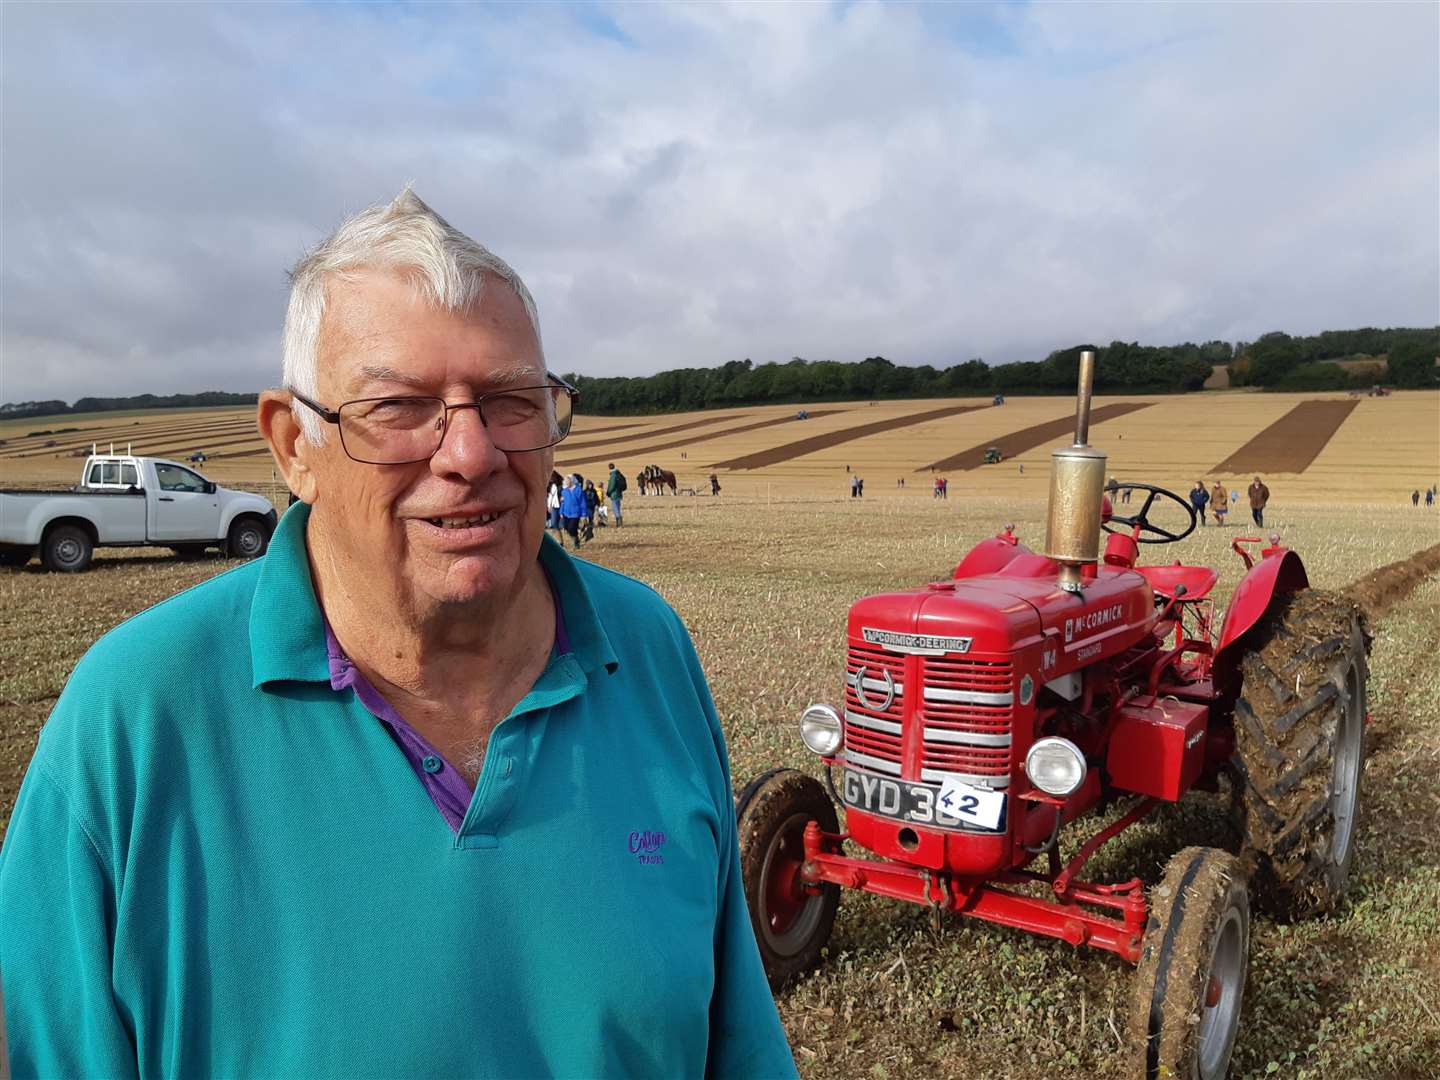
column 1018, row 442
column 777, row 454
column 1291, row 443
column 686, row 442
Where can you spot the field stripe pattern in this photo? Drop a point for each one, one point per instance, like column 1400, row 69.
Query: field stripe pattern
column 777, row 454
column 689, row 426
column 686, row 442
column 1291, row 443
column 1017, row 442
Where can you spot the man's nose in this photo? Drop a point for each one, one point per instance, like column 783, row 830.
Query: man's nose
column 467, row 449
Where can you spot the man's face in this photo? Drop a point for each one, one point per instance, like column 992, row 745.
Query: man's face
column 392, row 527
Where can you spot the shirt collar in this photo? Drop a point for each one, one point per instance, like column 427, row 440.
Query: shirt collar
column 287, row 627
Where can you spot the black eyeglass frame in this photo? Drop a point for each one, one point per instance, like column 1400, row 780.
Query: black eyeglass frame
column 332, row 416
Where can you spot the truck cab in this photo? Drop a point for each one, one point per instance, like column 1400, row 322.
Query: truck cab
column 125, row 500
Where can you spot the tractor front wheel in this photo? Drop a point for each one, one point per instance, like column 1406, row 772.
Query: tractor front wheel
column 1300, row 750
column 792, row 921
column 1186, row 1008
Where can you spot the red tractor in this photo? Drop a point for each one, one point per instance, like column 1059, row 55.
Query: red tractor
column 984, row 714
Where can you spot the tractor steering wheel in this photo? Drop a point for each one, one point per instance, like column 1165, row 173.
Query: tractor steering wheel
column 1142, row 521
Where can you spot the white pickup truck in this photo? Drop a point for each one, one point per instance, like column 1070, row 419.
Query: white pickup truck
column 131, row 501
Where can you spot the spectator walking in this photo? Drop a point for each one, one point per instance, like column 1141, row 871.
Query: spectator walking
column 1429, row 497
column 1219, row 503
column 572, row 507
column 860, row 487
column 854, row 484
column 1415, row 497
column 592, row 500
column 615, row 486
column 1199, row 497
column 552, row 503
column 1259, row 496
column 714, row 484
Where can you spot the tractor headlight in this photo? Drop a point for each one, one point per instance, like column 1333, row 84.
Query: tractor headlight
column 1055, row 766
column 820, row 729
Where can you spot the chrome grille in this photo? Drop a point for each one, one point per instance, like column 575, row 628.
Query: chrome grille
column 968, row 710
column 872, row 734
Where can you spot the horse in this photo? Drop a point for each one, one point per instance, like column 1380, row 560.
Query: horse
column 653, row 479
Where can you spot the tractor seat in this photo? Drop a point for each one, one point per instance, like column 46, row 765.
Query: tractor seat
column 1198, row 580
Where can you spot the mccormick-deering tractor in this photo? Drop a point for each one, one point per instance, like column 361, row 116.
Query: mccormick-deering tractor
column 984, row 714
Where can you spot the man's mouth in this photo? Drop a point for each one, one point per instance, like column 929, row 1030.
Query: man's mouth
column 464, row 523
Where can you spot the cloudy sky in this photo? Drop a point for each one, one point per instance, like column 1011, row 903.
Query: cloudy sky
column 683, row 185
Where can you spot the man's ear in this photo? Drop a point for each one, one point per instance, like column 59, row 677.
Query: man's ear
column 288, row 445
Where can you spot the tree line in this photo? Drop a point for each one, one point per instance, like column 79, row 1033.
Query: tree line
column 19, row 409
column 1121, row 366
column 1278, row 361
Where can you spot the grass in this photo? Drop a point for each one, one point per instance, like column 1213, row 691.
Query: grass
column 764, row 586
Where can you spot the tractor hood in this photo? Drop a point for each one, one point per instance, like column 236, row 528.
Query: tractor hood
column 1010, row 610
column 945, row 617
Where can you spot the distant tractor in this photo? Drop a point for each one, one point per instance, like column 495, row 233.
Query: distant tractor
column 1381, row 391
column 993, row 456
column 984, row 714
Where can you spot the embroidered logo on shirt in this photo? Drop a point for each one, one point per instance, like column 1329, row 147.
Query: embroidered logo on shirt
column 645, row 846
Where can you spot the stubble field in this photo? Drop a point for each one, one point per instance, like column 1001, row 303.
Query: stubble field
column 764, row 580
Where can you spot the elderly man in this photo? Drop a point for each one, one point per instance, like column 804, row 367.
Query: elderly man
column 414, row 795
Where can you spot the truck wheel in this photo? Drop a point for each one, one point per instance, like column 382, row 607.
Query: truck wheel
column 1186, row 1007
column 1300, row 750
column 792, row 924
column 248, row 538
column 67, row 549
column 15, row 556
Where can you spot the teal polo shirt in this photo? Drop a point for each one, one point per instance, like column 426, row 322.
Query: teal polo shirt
column 220, row 866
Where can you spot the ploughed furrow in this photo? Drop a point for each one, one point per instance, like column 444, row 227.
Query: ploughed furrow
column 1018, row 442
column 1291, row 443
column 603, row 430
column 136, row 437
column 689, row 425
column 1380, row 590
column 722, row 433
column 775, row 455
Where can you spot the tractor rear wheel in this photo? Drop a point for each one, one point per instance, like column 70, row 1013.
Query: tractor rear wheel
column 1300, row 750
column 792, row 922
column 1186, row 1007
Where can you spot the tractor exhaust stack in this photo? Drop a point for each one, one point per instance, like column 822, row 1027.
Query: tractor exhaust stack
column 1077, row 487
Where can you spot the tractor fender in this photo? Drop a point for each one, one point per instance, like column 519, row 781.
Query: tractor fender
column 1280, row 571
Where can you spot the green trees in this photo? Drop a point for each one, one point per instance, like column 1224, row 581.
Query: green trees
column 1412, row 361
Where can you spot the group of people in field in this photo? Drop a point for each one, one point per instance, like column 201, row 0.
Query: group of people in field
column 573, row 504
column 1214, row 499
column 1217, row 500
column 1428, row 496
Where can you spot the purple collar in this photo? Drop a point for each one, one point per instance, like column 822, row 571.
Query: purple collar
column 444, row 783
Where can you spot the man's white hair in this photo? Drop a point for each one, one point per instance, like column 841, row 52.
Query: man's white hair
column 446, row 268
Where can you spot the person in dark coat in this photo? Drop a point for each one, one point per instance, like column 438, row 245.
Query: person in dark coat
column 1198, row 498
column 1259, row 496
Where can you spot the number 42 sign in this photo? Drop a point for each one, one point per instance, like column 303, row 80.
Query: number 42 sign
column 975, row 805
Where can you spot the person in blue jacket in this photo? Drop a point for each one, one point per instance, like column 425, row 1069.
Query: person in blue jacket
column 417, row 794
column 572, row 508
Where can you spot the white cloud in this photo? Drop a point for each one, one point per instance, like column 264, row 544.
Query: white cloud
column 687, row 184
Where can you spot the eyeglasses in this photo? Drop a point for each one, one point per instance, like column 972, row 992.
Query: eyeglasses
column 404, row 430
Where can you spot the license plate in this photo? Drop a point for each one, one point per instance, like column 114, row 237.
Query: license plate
column 948, row 806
